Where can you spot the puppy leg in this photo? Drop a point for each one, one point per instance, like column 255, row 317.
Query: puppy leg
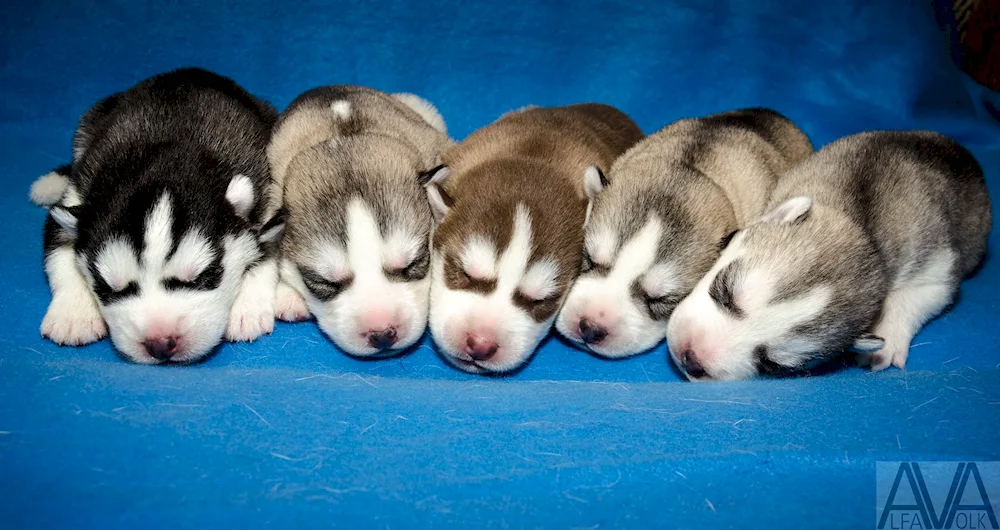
column 289, row 305
column 905, row 311
column 73, row 316
column 252, row 314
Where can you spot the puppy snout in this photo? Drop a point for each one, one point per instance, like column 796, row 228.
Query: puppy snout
column 592, row 332
column 691, row 365
column 382, row 339
column 480, row 346
column 162, row 348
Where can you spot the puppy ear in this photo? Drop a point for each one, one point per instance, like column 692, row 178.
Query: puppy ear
column 439, row 200
column 240, row 194
column 594, row 182
column 434, row 176
column 273, row 229
column 66, row 217
column 792, row 211
column 868, row 343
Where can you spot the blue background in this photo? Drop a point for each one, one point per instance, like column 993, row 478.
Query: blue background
column 290, row 431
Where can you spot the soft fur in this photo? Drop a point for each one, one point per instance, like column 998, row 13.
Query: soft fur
column 356, row 253
column 655, row 230
column 511, row 201
column 863, row 243
column 161, row 214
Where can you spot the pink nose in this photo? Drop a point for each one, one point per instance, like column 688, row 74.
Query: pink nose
column 480, row 346
column 162, row 348
column 689, row 363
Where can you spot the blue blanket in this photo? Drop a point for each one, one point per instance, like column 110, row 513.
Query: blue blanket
column 289, row 432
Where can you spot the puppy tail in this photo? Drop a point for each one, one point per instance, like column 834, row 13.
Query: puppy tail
column 50, row 188
column 425, row 109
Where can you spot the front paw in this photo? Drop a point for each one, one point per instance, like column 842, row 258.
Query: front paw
column 882, row 359
column 289, row 305
column 252, row 316
column 74, row 320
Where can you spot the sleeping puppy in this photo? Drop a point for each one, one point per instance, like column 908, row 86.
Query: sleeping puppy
column 355, row 253
column 655, row 231
column 511, row 201
column 162, row 230
column 863, row 243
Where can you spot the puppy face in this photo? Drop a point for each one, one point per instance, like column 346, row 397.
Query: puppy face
column 166, row 268
column 357, row 247
column 786, row 293
column 496, row 286
column 643, row 252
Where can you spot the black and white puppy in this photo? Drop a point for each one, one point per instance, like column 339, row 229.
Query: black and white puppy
column 162, row 228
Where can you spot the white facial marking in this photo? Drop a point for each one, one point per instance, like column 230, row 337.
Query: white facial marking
column 371, row 302
column 192, row 320
column 158, row 239
column 539, row 282
column 458, row 317
column 479, row 258
column 400, row 248
column 606, row 301
column 117, row 264
column 193, row 255
column 601, row 244
column 724, row 344
column 240, row 194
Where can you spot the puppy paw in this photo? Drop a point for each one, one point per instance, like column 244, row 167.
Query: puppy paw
column 73, row 319
column 882, row 359
column 289, row 305
column 252, row 315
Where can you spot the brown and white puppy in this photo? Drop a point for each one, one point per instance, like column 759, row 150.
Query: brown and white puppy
column 355, row 251
column 655, row 231
column 864, row 242
column 512, row 200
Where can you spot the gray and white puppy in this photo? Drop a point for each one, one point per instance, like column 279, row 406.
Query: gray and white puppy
column 656, row 229
column 355, row 252
column 863, row 243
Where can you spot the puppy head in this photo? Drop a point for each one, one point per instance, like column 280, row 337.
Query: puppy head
column 500, row 269
column 166, row 262
column 646, row 246
column 799, row 285
column 356, row 246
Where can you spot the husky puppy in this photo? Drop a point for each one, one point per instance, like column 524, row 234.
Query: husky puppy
column 511, row 201
column 355, row 253
column 655, row 231
column 862, row 244
column 160, row 230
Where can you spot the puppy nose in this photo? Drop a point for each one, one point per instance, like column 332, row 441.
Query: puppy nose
column 162, row 348
column 591, row 332
column 690, row 364
column 480, row 347
column 382, row 339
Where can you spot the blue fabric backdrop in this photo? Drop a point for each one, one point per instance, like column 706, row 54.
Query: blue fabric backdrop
column 288, row 431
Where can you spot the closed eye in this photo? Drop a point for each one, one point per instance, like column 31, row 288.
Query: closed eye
column 721, row 291
column 587, row 265
column 323, row 288
column 107, row 295
column 724, row 242
column 207, row 280
column 416, row 270
column 660, row 307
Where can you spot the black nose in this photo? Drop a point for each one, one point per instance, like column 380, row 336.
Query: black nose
column 162, row 348
column 590, row 332
column 691, row 365
column 382, row 339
